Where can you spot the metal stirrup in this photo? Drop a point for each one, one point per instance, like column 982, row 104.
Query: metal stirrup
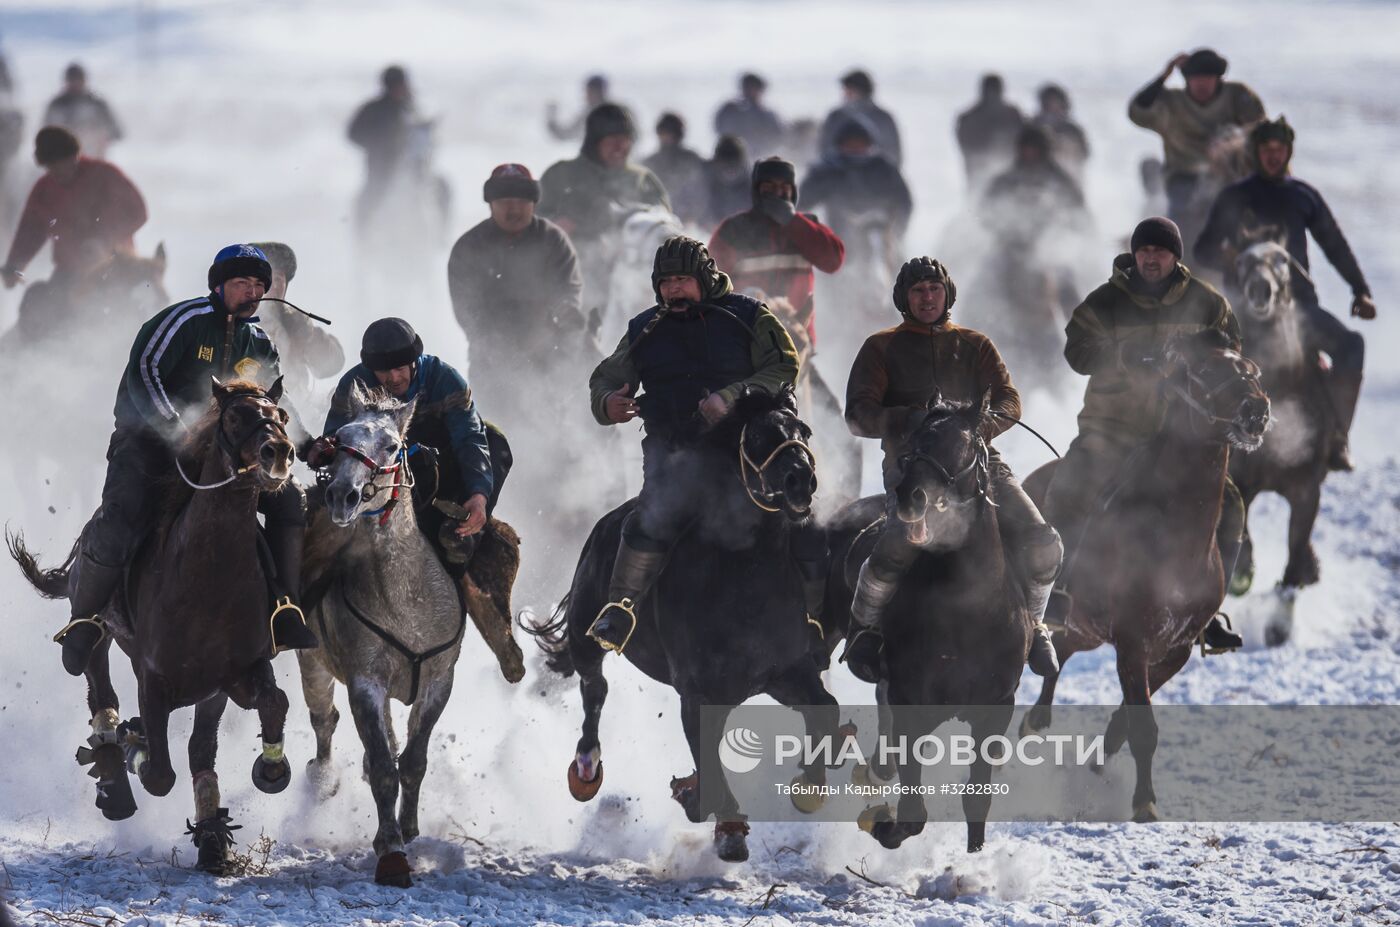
column 284, row 604
column 627, row 606
column 94, row 620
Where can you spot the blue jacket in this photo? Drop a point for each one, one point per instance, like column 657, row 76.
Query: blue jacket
column 446, row 419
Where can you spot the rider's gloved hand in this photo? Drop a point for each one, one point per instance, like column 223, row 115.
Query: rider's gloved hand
column 319, row 453
column 1363, row 307
column 777, row 208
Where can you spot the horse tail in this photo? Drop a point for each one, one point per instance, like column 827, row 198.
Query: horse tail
column 552, row 636
column 51, row 584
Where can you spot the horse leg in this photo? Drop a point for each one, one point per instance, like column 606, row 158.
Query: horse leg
column 1142, row 727
column 731, row 827
column 977, row 801
column 801, row 688
column 1242, row 577
column 368, row 699
column 1302, row 569
column 210, row 840
column 586, row 771
column 156, row 774
column 1039, row 716
column 318, row 688
column 258, row 691
column 911, row 814
column 114, row 798
column 413, row 762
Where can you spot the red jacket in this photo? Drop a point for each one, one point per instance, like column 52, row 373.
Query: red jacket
column 89, row 218
column 778, row 259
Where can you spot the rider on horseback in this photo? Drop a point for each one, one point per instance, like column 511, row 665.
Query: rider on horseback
column 474, row 459
column 86, row 206
column 897, row 377
column 1118, row 337
column 170, row 372
column 1272, row 199
column 693, row 353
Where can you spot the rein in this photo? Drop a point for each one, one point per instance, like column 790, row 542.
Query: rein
column 229, row 448
column 397, row 469
column 1199, row 405
column 765, row 496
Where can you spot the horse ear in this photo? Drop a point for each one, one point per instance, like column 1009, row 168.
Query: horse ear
column 357, row 399
column 403, row 416
column 158, row 259
column 274, row 392
column 219, row 388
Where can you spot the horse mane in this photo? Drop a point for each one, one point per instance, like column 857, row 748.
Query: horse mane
column 750, row 405
column 373, row 399
column 973, row 414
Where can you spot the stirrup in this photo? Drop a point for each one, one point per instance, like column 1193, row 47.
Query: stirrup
column 284, row 604
column 1215, row 651
column 94, row 620
column 627, row 606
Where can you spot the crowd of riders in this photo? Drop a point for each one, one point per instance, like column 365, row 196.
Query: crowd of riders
column 524, row 279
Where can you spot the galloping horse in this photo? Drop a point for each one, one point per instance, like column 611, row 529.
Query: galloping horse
column 1293, row 459
column 193, row 617
column 390, row 621
column 725, row 620
column 957, row 631
column 1148, row 576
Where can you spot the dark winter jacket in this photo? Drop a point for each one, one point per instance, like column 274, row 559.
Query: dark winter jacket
column 851, row 187
column 756, row 124
column 880, row 124
column 175, row 356
column 682, row 172
column 87, row 116
column 380, row 127
column 1187, row 127
column 1123, row 399
column 590, row 197
column 445, row 419
column 987, row 135
column 759, row 253
column 517, row 297
column 1293, row 208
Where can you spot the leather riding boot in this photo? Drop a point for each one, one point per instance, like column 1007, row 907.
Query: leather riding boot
column 866, row 642
column 1042, row 659
column 95, row 584
column 289, row 630
column 1344, row 389
column 633, row 573
column 1219, row 638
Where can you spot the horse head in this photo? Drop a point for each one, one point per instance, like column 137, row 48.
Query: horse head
column 372, row 445
column 249, row 429
column 1262, row 274
column 776, row 465
column 944, row 476
column 1219, row 389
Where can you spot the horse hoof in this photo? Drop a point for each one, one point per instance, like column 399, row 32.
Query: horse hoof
column 393, row 870
column 584, row 789
column 686, row 793
column 731, row 841
column 271, row 777
column 806, row 795
column 873, row 817
column 323, row 779
column 1145, row 813
column 114, row 797
column 1036, row 719
column 158, row 785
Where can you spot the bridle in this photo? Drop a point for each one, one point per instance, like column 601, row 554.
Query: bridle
column 234, row 450
column 764, row 496
column 396, row 469
column 980, row 465
column 1245, row 370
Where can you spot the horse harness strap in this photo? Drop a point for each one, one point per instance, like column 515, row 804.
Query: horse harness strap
column 415, row 659
column 232, row 450
column 764, row 495
column 396, row 469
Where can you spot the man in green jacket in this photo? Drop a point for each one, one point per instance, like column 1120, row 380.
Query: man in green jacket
column 1116, row 337
column 167, row 384
column 692, row 354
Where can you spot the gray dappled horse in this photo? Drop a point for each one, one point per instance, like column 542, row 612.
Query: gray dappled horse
column 1293, row 459
column 388, row 616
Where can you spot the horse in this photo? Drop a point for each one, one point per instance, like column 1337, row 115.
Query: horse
column 1293, row 459
column 192, row 614
column 388, row 616
column 957, row 630
column 725, row 621
column 1148, row 575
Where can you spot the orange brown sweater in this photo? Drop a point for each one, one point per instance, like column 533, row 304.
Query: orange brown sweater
column 900, row 371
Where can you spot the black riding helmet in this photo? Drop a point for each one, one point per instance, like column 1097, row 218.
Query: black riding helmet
column 679, row 256
column 922, row 268
column 390, row 343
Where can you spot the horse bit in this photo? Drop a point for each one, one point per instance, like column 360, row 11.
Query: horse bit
column 232, row 450
column 765, row 495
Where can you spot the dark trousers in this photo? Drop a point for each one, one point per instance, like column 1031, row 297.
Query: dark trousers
column 1327, row 333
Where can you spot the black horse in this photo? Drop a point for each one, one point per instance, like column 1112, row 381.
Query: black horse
column 957, row 631
column 725, row 621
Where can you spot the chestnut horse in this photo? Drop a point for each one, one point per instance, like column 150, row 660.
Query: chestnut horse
column 1148, row 576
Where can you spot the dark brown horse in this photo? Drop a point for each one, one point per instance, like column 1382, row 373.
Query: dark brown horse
column 1293, row 460
column 1148, row 576
column 193, row 617
column 956, row 631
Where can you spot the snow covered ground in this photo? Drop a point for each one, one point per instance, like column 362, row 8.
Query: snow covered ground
column 235, row 116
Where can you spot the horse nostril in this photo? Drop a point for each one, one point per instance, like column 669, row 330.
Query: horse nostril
column 352, row 498
column 919, row 499
column 268, row 454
